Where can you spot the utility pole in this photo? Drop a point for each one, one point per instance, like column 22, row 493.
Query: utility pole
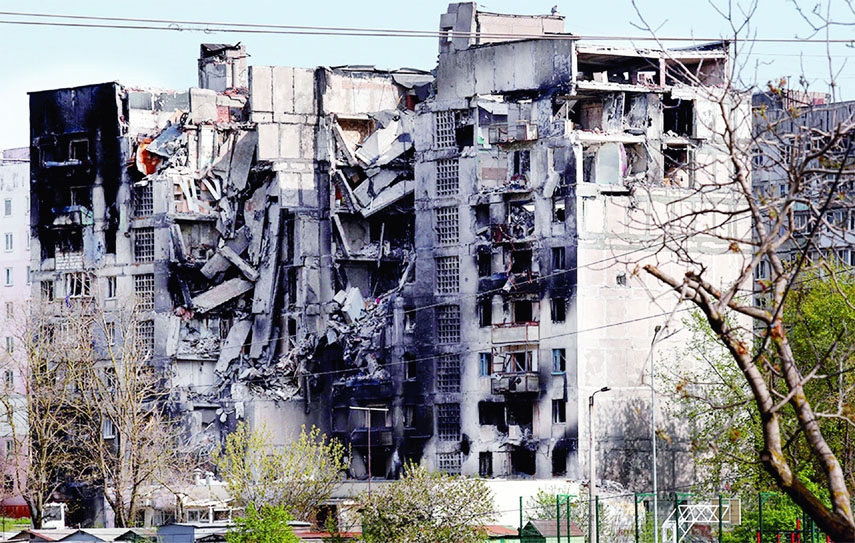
column 592, row 484
column 367, row 411
column 653, row 436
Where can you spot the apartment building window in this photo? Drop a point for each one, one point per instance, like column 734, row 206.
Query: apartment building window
column 145, row 339
column 7, row 207
column 10, row 344
column 9, row 449
column 447, row 230
column 112, row 286
column 108, row 430
column 485, row 464
column 9, row 378
column 559, row 309
column 762, row 269
column 10, row 242
column 144, row 291
column 559, row 258
column 485, row 312
column 144, row 244
column 444, row 134
column 449, row 463
column 411, row 367
column 448, row 274
column 78, row 285
column 485, row 264
column 29, row 275
column 10, row 275
column 559, row 412
column 143, row 200
column 448, row 373
column 10, row 310
column 448, row 421
column 47, row 291
column 27, row 238
column 448, row 324
column 447, row 177
column 110, row 333
column 559, row 361
column 485, row 364
column 559, row 209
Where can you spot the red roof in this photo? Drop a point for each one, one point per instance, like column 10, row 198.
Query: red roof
column 496, row 530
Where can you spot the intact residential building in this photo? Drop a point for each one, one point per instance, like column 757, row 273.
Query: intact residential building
column 431, row 268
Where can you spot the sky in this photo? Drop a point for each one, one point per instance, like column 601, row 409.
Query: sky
column 47, row 57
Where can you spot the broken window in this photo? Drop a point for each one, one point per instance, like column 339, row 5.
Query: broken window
column 678, row 116
column 521, row 261
column 448, row 421
column 523, row 462
column 485, row 364
column 679, row 167
column 444, row 129
column 559, row 360
column 409, row 319
column 112, row 287
column 485, row 264
column 47, row 291
column 559, row 208
column 558, row 258
column 448, row 373
column 409, row 416
column 559, row 461
column 291, row 286
column 559, row 309
column 144, row 291
column 521, row 167
column 449, row 463
column 522, row 311
column 144, row 244
column 485, row 464
column 78, row 149
column 492, row 414
column 559, row 412
column 410, row 366
column 448, row 324
column 485, row 312
column 77, row 285
column 447, row 177
column 143, row 200
column 145, row 339
column 447, row 274
column 447, row 231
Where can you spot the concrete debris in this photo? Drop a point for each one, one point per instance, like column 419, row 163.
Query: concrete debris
column 220, row 294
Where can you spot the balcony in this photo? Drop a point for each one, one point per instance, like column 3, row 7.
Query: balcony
column 380, row 437
column 521, row 333
column 510, row 133
column 523, row 283
column 515, row 383
column 362, row 389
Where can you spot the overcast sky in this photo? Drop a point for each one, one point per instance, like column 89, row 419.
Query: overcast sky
column 46, row 57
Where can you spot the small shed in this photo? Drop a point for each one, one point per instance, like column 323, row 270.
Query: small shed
column 192, row 533
column 548, row 531
column 501, row 534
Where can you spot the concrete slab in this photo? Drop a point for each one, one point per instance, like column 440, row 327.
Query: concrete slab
column 220, row 294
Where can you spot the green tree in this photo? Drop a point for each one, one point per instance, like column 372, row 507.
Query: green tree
column 268, row 524
column 426, row 507
column 299, row 477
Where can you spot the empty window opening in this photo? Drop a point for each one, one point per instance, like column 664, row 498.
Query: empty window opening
column 485, row 264
column 559, row 258
column 485, row 464
column 448, row 373
column 559, row 309
column 678, row 116
column 449, row 462
column 559, row 208
column 77, row 285
column 448, row 274
column 521, row 166
column 447, row 177
column 523, row 462
column 485, row 364
column 448, row 324
column 492, row 414
column 144, row 200
column 520, row 414
column 559, row 412
column 409, row 320
column 485, row 312
column 112, row 286
column 78, row 149
column 291, row 286
column 448, row 421
column 447, row 229
column 47, row 291
column 559, row 360
column 521, row 261
column 559, row 461
column 523, row 311
column 520, row 362
column 444, row 129
column 621, row 279
column 482, row 217
column 144, row 244
column 410, row 367
column 679, row 170
column 409, row 416
column 144, row 291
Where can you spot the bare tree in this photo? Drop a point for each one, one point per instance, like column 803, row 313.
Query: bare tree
column 790, row 214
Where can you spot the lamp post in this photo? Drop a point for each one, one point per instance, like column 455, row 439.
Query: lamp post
column 653, row 437
column 368, row 411
column 592, row 484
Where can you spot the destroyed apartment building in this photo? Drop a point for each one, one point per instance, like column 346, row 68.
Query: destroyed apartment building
column 300, row 242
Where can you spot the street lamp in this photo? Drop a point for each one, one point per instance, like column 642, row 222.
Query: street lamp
column 368, row 411
column 653, row 436
column 591, row 458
